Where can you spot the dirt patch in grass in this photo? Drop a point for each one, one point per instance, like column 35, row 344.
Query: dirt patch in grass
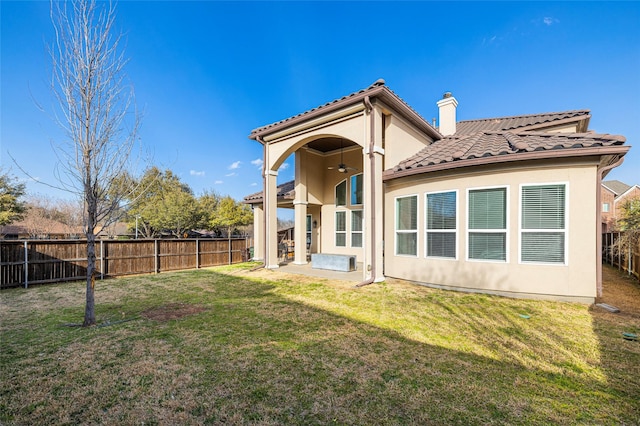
column 172, row 311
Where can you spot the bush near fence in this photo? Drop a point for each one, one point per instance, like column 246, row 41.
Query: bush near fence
column 628, row 262
column 28, row 262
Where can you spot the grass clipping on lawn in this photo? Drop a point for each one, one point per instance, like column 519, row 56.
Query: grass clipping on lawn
column 230, row 345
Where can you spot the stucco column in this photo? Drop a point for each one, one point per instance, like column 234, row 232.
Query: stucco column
column 271, row 213
column 300, row 207
column 258, row 232
column 300, row 234
column 373, row 198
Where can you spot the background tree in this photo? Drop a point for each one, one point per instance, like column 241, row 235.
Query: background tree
column 166, row 205
column 208, row 203
column 230, row 214
column 630, row 215
column 38, row 218
column 46, row 216
column 12, row 207
column 95, row 108
column 629, row 224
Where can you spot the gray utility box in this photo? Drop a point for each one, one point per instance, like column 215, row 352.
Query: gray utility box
column 333, row 262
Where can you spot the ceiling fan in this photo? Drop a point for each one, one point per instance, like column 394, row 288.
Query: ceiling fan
column 342, row 168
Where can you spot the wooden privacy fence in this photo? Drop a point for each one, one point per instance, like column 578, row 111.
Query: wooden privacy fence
column 627, row 260
column 23, row 263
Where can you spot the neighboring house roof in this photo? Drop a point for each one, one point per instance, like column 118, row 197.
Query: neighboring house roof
column 377, row 90
column 524, row 122
column 616, row 186
column 494, row 147
column 285, row 191
column 44, row 226
column 624, row 194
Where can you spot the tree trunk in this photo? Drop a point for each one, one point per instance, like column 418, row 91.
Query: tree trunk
column 89, row 310
column 92, row 209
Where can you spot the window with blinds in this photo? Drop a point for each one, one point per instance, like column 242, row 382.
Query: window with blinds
column 487, row 224
column 341, row 229
column 441, row 224
column 356, row 228
column 407, row 225
column 543, row 223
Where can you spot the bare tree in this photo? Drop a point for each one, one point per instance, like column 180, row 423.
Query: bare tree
column 97, row 112
column 70, row 213
column 37, row 218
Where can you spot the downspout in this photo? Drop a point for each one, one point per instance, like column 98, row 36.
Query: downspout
column 372, row 186
column 600, row 173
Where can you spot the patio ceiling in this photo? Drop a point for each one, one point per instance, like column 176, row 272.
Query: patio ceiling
column 325, row 145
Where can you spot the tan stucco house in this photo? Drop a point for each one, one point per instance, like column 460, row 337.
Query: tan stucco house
column 503, row 205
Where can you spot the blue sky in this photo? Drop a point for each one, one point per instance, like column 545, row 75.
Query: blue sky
column 206, row 73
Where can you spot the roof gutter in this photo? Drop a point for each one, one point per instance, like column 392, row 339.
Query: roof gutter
column 505, row 158
column 600, row 174
column 372, row 183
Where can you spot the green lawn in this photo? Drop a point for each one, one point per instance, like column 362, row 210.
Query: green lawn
column 229, row 345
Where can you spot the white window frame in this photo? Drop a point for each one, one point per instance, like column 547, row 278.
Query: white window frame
column 351, row 231
column 350, row 189
column 489, row 231
column 346, row 195
column 565, row 230
column 397, row 231
column 605, row 208
column 335, row 240
column 448, row 231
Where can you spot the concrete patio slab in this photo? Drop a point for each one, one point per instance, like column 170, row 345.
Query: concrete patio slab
column 354, row 276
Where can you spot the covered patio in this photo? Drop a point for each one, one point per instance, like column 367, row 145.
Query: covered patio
column 332, row 211
column 340, row 149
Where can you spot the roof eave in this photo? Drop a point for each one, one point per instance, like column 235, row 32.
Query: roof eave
column 616, row 151
column 382, row 92
column 314, row 113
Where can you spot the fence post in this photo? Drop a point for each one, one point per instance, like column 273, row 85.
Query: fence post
column 619, row 255
column 229, row 243
column 156, row 257
column 101, row 259
column 197, row 253
column 26, row 265
column 629, row 261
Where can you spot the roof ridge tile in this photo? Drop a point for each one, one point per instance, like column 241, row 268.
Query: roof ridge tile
column 574, row 112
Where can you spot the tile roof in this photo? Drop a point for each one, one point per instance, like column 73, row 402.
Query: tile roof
column 616, row 186
column 285, row 190
column 468, row 127
column 457, row 148
column 324, row 106
column 378, row 88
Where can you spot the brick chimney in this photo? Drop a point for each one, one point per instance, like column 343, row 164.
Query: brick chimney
column 447, row 106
